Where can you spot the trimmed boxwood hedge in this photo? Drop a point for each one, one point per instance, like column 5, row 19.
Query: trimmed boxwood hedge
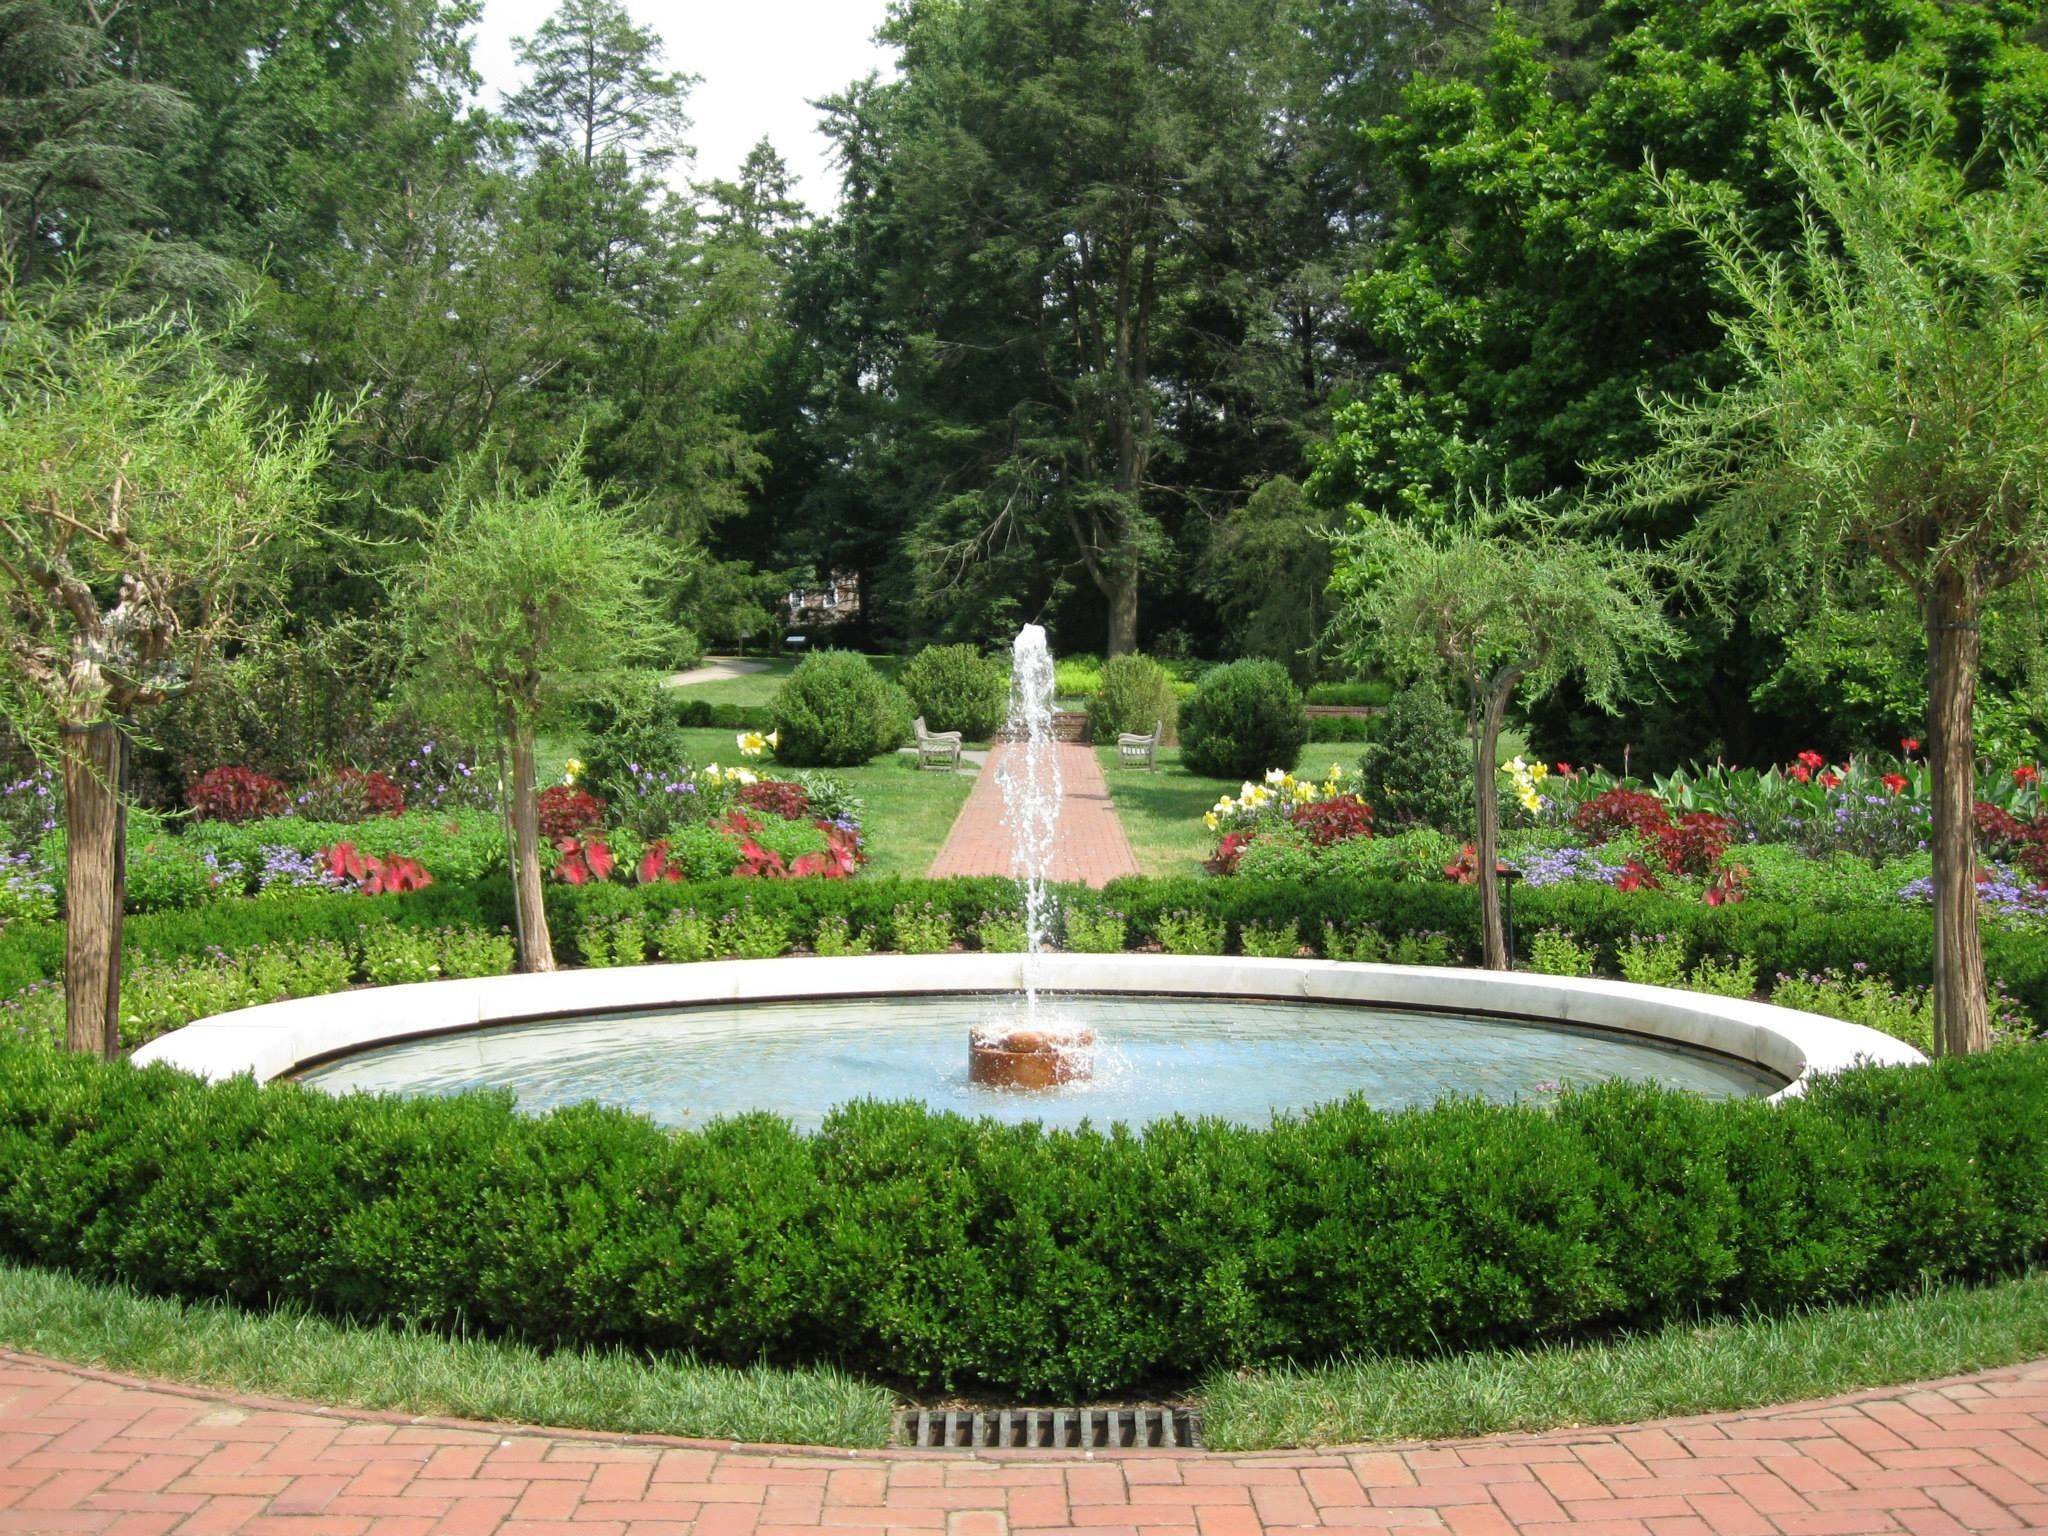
column 954, row 1254
column 1894, row 942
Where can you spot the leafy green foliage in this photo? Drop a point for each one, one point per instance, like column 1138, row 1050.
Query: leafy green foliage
column 837, row 711
column 1416, row 767
column 1244, row 719
column 957, row 688
column 946, row 1252
column 1132, row 693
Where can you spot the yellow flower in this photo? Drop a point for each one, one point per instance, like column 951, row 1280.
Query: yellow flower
column 743, row 776
column 752, row 743
column 1532, row 801
column 1336, row 771
column 775, row 739
column 1210, row 821
column 572, row 770
column 712, row 774
column 1278, row 776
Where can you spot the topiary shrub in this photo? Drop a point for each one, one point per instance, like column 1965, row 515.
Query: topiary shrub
column 635, row 721
column 1244, row 718
column 956, row 688
column 1416, row 770
column 1135, row 694
column 836, row 711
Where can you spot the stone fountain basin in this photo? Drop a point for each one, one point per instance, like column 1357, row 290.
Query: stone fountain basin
column 278, row 1039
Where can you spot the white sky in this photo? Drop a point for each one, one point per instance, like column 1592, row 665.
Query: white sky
column 762, row 63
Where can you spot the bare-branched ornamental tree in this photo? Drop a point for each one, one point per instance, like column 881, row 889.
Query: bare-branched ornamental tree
column 1499, row 608
column 147, row 505
column 525, row 587
column 1892, row 406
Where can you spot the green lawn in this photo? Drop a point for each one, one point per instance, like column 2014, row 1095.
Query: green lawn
column 408, row 1370
column 1162, row 812
column 908, row 812
column 757, row 689
column 1685, row 1368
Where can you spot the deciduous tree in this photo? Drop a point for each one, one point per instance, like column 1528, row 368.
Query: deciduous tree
column 525, row 585
column 1498, row 607
column 1890, row 405
column 147, row 501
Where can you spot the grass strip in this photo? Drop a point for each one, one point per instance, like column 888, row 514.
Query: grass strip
column 1679, row 1370
column 407, row 1370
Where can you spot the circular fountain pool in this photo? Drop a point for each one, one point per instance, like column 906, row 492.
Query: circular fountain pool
column 1241, row 1038
column 1241, row 1059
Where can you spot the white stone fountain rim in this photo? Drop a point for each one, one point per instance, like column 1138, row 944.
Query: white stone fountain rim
column 277, row 1039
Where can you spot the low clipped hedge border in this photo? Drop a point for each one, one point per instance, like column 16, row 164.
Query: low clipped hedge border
column 1894, row 942
column 954, row 1254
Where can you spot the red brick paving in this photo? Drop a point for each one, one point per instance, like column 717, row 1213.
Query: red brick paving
column 1090, row 846
column 81, row 1451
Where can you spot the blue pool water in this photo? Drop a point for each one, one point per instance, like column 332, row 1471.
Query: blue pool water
column 1243, row 1060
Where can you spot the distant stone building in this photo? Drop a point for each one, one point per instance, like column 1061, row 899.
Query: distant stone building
column 837, row 602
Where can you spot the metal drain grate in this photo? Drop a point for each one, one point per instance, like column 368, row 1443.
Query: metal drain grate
column 1107, row 1429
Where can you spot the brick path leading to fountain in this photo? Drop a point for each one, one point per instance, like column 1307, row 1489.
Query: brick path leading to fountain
column 1090, row 846
column 84, row 1452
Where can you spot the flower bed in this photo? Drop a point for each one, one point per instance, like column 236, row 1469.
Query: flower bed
column 1836, row 835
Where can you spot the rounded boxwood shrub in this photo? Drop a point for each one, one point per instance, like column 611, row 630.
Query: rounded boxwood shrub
column 956, row 688
column 1416, row 770
column 1135, row 694
column 836, row 711
column 1244, row 718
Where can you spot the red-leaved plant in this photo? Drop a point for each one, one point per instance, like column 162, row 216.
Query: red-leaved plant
column 583, row 861
column 392, row 875
column 351, row 794
column 1619, row 810
column 1224, row 860
column 777, row 798
column 1336, row 820
column 566, row 811
column 1693, row 844
column 233, row 794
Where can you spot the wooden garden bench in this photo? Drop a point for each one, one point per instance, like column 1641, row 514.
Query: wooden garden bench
column 1133, row 749
column 937, row 749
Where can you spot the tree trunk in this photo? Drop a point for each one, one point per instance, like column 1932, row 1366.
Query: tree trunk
column 1962, row 1016
column 95, row 885
column 1493, row 939
column 1123, row 612
column 536, row 952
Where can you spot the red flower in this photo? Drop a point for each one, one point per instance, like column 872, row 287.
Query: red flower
column 1565, row 769
column 1800, row 772
column 1911, row 744
column 1894, row 782
column 1829, row 778
column 1812, row 759
column 2026, row 773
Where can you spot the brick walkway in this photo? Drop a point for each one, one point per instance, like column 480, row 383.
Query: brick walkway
column 82, row 1451
column 1091, row 847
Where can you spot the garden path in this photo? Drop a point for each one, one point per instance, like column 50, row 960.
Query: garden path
column 715, row 670
column 81, row 1451
column 1090, row 847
